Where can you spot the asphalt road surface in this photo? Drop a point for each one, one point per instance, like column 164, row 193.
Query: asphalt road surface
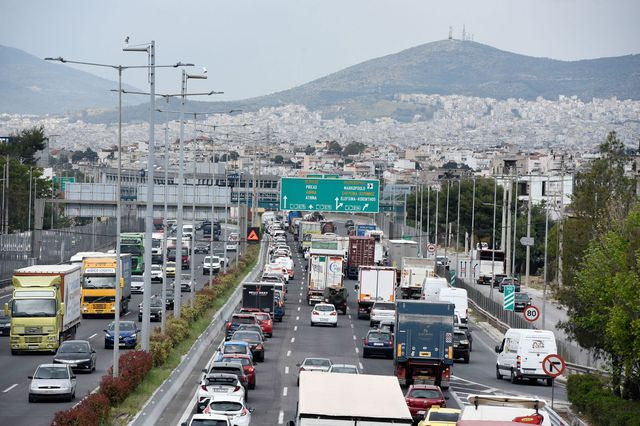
column 14, row 406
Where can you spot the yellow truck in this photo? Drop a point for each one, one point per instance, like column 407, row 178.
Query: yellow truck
column 46, row 307
column 99, row 285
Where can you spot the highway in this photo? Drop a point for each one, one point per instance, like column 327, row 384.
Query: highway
column 275, row 396
column 14, row 407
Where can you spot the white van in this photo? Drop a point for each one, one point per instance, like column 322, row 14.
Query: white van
column 457, row 296
column 504, row 408
column 431, row 287
column 521, row 352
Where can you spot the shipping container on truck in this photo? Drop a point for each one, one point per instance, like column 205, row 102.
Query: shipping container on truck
column 98, row 285
column 414, row 271
column 375, row 284
column 324, row 270
column 361, row 253
column 378, row 236
column 423, row 350
column 46, row 307
column 258, row 296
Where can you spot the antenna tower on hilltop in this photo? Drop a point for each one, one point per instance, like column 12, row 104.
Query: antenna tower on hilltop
column 450, row 32
column 464, row 33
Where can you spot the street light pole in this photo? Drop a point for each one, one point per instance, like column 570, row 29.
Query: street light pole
column 118, row 295
column 493, row 241
column 163, row 320
column 546, row 233
column 458, row 229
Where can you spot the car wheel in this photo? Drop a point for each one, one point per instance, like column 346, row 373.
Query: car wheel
column 311, row 323
column 335, row 325
column 365, row 354
column 498, row 375
column 370, row 323
column 514, row 379
column 32, row 398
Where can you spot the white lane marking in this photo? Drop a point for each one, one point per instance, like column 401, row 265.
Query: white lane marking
column 349, row 316
column 351, row 325
column 293, row 339
column 6, row 295
column 286, row 370
column 357, row 350
column 288, row 353
column 354, row 337
column 295, row 328
column 298, row 308
column 93, row 335
column 297, row 318
column 281, row 417
column 300, row 300
column 361, row 367
column 9, row 388
column 284, row 391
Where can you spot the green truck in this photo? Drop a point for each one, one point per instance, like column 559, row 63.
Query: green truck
column 133, row 243
column 46, row 307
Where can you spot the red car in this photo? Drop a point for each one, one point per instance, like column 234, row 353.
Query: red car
column 264, row 320
column 422, row 397
column 247, row 366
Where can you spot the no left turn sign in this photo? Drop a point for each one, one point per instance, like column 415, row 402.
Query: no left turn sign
column 553, row 365
column 531, row 313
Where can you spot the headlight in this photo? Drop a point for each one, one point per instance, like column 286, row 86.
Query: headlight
column 80, row 361
column 107, row 336
column 52, row 338
column 464, row 342
column 133, row 336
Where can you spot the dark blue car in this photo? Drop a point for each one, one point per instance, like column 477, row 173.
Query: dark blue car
column 128, row 335
column 378, row 342
column 278, row 310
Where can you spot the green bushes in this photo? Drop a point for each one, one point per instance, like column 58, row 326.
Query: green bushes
column 590, row 395
column 94, row 410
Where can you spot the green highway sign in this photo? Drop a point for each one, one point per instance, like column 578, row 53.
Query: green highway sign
column 509, row 297
column 330, row 195
column 61, row 181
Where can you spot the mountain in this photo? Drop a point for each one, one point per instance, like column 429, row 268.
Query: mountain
column 30, row 85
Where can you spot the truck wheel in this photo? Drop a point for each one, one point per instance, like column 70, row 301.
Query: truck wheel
column 514, row 378
column 365, row 354
column 498, row 375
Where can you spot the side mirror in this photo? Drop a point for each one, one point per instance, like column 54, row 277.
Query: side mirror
column 356, row 287
column 497, row 349
column 251, row 410
column 105, row 330
column 298, row 365
column 204, row 370
column 446, row 397
column 73, row 377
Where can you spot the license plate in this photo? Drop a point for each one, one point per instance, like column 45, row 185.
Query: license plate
column 324, row 319
column 378, row 344
column 122, row 344
column 219, row 390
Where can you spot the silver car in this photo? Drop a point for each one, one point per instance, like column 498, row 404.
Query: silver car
column 314, row 364
column 52, row 381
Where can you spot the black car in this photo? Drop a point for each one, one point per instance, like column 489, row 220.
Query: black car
column 466, row 331
column 5, row 322
column 349, row 223
column 201, row 248
column 509, row 281
column 378, row 342
column 254, row 339
column 522, row 300
column 78, row 354
column 461, row 346
column 169, row 299
column 155, row 312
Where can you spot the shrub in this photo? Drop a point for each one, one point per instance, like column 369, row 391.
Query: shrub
column 589, row 394
column 176, row 330
column 134, row 366
column 116, row 389
column 159, row 346
column 91, row 411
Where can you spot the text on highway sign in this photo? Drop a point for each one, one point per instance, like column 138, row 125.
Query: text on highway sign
column 330, row 195
column 526, row 241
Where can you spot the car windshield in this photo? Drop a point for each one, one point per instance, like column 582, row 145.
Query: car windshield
column 156, row 268
column 242, row 361
column 156, row 301
column 225, row 406
column 522, row 296
column 348, row 370
column 439, row 416
column 325, row 308
column 51, row 373
column 134, row 250
column 459, row 336
column 220, row 381
column 214, row 259
column 33, row 308
column 73, row 347
column 317, row 362
column 425, row 393
column 234, row 349
column 379, row 336
column 99, row 282
column 385, row 306
column 124, row 326
column 208, row 422
column 225, row 369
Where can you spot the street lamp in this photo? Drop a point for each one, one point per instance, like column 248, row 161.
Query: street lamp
column 118, row 296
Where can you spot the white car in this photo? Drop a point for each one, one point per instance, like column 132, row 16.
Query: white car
column 137, row 284
column 288, row 264
column 231, row 246
column 324, row 313
column 344, row 369
column 210, row 262
column 207, row 420
column 52, row 381
column 156, row 273
column 381, row 311
column 231, row 406
column 218, row 384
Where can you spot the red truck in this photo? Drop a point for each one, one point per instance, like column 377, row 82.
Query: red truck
column 361, row 253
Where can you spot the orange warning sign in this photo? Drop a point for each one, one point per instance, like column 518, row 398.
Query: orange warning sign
column 253, row 234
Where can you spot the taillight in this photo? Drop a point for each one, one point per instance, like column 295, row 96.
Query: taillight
column 204, row 388
column 333, row 314
column 250, row 370
column 237, row 388
column 366, row 341
column 315, row 313
column 301, row 369
column 533, row 419
column 518, row 361
column 228, row 325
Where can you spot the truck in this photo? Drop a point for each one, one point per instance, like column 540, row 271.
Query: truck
column 293, row 215
column 414, row 271
column 327, row 227
column 133, row 243
column 258, row 296
column 377, row 235
column 399, row 249
column 375, row 284
column 349, row 400
column 306, row 230
column 361, row 253
column 486, row 264
column 324, row 270
column 423, row 350
column 432, row 288
column 294, row 227
column 45, row 309
column 99, row 285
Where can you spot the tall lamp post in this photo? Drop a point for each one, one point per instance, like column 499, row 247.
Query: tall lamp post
column 119, row 68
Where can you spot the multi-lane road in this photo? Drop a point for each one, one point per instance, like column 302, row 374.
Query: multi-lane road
column 14, row 384
column 276, row 393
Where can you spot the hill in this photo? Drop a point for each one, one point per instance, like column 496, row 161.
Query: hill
column 30, row 85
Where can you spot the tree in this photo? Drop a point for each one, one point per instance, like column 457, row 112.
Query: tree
column 354, row 148
column 334, row 147
column 278, row 159
column 24, row 144
column 309, row 150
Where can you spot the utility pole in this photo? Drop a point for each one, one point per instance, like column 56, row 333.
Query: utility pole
column 428, row 213
column 473, row 213
column 528, row 236
column 515, row 229
column 504, row 218
column 421, row 212
column 165, row 228
column 177, row 291
column 493, row 242
column 404, row 219
column 458, row 230
column 193, row 212
column 561, row 226
column 546, row 236
column 446, row 222
column 437, row 205
column 507, row 252
column 118, row 301
column 29, row 217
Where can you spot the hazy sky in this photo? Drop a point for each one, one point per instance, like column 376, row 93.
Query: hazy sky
column 255, row 47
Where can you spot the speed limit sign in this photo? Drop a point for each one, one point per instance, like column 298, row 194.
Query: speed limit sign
column 531, row 313
column 431, row 248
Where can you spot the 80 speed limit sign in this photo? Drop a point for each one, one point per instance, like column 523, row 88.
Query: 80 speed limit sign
column 531, row 313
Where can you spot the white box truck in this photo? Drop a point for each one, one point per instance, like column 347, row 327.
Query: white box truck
column 457, row 296
column 399, row 249
column 325, row 270
column 375, row 284
column 377, row 236
column 414, row 272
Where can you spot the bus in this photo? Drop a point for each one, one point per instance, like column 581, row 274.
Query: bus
column 133, row 243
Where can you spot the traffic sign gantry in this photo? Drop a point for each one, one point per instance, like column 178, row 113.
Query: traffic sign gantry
column 553, row 365
column 531, row 313
column 330, row 195
column 509, row 300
